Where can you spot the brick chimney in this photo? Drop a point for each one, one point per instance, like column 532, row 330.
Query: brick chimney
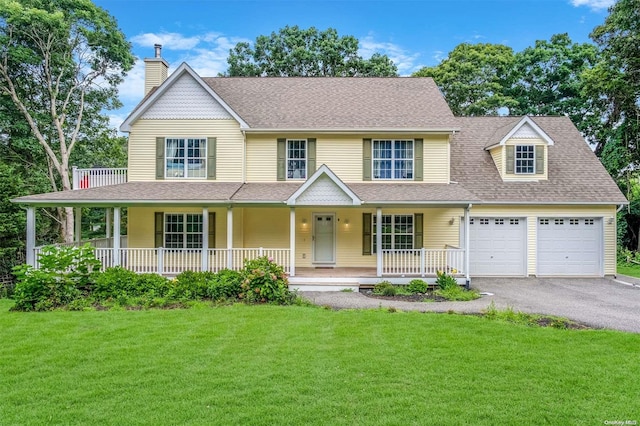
column 155, row 70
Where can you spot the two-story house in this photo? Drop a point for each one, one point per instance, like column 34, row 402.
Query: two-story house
column 349, row 180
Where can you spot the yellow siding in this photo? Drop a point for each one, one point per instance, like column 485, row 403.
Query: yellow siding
column 261, row 159
column 266, row 227
column 498, row 158
column 229, row 145
column 531, row 213
column 141, row 221
column 343, row 155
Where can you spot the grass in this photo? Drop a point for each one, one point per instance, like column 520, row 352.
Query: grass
column 629, row 269
column 264, row 365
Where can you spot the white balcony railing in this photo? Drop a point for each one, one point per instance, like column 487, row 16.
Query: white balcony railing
column 421, row 262
column 96, row 177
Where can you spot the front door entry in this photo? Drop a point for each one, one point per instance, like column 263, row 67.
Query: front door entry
column 324, row 238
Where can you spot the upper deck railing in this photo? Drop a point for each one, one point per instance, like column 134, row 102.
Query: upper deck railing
column 96, row 177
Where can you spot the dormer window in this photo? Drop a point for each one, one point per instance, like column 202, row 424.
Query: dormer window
column 525, row 159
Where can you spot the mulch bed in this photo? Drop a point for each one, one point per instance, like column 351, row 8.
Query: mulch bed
column 418, row 297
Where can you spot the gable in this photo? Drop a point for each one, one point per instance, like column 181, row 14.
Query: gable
column 187, row 99
column 324, row 188
column 526, row 131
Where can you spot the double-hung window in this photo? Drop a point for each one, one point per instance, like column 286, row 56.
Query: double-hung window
column 397, row 232
column 186, row 157
column 525, row 159
column 392, row 159
column 296, row 158
column 182, row 230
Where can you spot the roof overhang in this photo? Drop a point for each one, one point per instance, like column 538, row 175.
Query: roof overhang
column 525, row 121
column 351, row 130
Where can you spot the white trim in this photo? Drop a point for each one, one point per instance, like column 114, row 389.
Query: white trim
column 323, row 170
column 116, row 236
column 204, row 258
column 351, row 130
column 170, row 81
column 229, row 237
column 292, row 242
column 525, row 120
column 31, row 236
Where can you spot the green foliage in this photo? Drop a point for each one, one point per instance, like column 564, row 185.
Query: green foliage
column 417, row 286
column 265, row 281
column 473, row 78
column 64, row 274
column 225, row 284
column 297, row 52
column 530, row 320
column 457, row 293
column 191, row 285
column 445, row 281
column 384, row 288
column 118, row 283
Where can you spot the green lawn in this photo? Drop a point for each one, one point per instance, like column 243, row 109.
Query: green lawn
column 629, row 269
column 266, row 365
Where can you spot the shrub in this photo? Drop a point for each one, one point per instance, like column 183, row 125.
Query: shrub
column 417, row 286
column 64, row 273
column 121, row 284
column 226, row 284
column 445, row 280
column 458, row 293
column 264, row 281
column 191, row 285
column 384, row 288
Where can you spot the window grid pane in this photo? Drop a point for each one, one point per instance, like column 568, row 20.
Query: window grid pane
column 186, row 157
column 397, row 232
column 296, row 159
column 525, row 155
column 182, row 231
column 392, row 159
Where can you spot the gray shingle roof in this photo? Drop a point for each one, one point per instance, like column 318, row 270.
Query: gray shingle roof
column 575, row 173
column 335, row 103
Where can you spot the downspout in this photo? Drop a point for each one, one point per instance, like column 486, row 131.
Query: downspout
column 466, row 246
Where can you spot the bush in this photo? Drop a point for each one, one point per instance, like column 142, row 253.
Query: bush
column 265, row 281
column 121, row 284
column 226, row 284
column 64, row 274
column 384, row 288
column 417, row 286
column 445, row 281
column 458, row 293
column 190, row 285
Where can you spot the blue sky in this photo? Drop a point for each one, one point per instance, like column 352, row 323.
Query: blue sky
column 413, row 33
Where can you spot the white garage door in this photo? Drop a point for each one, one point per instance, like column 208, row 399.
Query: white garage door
column 569, row 246
column 497, row 246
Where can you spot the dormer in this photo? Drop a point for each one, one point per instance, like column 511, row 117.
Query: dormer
column 520, row 151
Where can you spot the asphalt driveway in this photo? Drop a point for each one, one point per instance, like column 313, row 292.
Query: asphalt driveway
column 597, row 302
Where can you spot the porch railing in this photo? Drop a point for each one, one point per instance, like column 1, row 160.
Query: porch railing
column 96, row 177
column 174, row 261
column 421, row 262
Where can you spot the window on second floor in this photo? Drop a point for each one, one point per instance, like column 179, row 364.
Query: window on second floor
column 186, row 157
column 392, row 159
column 296, row 158
column 525, row 159
column 182, row 230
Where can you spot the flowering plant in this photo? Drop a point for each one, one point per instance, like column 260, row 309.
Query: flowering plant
column 263, row 280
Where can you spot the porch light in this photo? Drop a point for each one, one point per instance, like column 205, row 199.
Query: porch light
column 304, row 221
column 452, row 221
column 346, row 222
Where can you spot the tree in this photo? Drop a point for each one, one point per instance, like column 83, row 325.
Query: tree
column 615, row 84
column 60, row 64
column 296, row 52
column 473, row 78
column 547, row 80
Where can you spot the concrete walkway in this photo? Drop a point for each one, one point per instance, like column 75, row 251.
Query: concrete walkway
column 597, row 302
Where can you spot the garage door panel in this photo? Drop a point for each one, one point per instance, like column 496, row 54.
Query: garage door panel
column 569, row 246
column 497, row 246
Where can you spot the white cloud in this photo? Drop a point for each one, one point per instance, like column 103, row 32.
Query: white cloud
column 404, row 60
column 593, row 4
column 171, row 41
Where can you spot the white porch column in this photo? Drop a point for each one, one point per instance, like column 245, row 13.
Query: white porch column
column 116, row 236
column 78, row 224
column 230, row 237
column 31, row 236
column 466, row 244
column 205, row 239
column 292, row 242
column 107, row 224
column 379, row 241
